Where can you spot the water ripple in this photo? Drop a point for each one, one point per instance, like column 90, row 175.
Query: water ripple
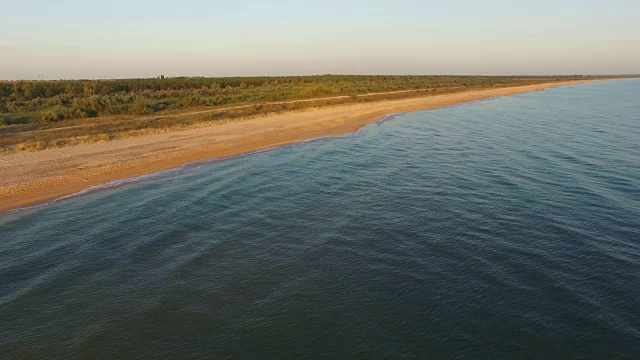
column 502, row 228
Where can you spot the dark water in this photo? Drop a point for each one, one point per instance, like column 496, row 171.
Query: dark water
column 506, row 228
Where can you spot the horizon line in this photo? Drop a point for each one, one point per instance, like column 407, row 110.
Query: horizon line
column 317, row 75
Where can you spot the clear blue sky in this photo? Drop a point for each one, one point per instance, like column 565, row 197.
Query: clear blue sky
column 135, row 38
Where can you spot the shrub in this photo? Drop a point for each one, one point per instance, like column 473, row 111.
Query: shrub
column 158, row 106
column 190, row 101
column 60, row 113
column 142, row 106
column 146, row 106
column 51, row 116
column 87, row 106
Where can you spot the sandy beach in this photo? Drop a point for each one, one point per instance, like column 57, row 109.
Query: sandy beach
column 30, row 178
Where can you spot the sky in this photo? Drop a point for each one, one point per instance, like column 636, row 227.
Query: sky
column 82, row 39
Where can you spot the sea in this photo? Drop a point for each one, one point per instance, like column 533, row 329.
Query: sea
column 498, row 229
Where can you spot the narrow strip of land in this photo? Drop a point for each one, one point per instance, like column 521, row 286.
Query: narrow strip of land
column 29, row 178
column 237, row 107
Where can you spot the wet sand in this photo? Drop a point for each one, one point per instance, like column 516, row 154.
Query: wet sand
column 30, row 178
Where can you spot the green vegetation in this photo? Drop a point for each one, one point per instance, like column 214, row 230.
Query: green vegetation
column 40, row 114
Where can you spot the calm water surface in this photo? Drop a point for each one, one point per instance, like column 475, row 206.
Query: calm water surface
column 498, row 229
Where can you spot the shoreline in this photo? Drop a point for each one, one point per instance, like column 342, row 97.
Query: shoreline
column 29, row 179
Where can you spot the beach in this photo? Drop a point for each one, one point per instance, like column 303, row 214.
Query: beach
column 31, row 178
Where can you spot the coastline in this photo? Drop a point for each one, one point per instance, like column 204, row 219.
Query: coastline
column 33, row 178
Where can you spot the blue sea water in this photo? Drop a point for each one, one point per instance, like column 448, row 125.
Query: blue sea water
column 506, row 228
